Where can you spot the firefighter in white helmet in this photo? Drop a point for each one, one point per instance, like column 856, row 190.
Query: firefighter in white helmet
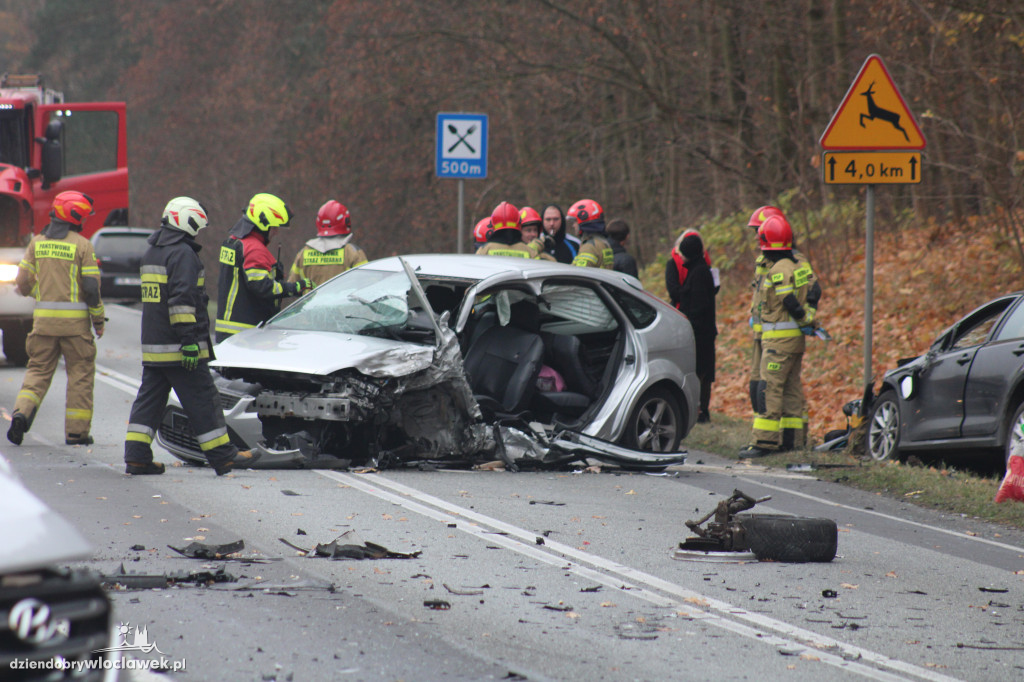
column 176, row 345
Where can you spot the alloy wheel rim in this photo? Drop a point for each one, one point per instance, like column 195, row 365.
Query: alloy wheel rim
column 884, row 431
column 656, row 427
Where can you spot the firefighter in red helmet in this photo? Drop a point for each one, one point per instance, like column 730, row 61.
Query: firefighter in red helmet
column 331, row 252
column 595, row 251
column 506, row 238
column 785, row 321
column 59, row 269
column 482, row 231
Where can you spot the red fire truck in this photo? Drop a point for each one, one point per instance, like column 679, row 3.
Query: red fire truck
column 48, row 146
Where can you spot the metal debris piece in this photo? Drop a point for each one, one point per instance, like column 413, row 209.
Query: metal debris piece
column 124, row 580
column 349, row 545
column 550, row 502
column 437, row 604
column 829, row 594
column 643, row 631
column 462, row 592
column 997, row 590
column 594, row 588
column 291, row 493
column 557, row 607
column 199, row 550
column 138, row 548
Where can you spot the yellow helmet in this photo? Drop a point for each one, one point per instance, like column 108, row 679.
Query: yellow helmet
column 267, row 211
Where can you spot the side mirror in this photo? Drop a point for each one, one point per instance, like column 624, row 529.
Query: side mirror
column 53, row 155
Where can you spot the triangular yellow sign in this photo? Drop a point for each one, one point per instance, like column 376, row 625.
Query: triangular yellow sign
column 873, row 115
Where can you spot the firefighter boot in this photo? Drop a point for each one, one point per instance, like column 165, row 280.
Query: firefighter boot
column 78, row 439
column 144, row 468
column 241, row 460
column 19, row 425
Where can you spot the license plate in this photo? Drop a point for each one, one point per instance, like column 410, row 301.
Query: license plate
column 128, row 281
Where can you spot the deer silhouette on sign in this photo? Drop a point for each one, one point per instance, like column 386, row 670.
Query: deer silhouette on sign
column 875, row 111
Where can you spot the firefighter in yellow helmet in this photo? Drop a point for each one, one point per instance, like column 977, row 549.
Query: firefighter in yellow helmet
column 595, row 251
column 506, row 236
column 59, row 269
column 251, row 283
column 331, row 252
column 785, row 321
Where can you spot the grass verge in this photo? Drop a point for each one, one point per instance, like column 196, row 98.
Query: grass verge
column 934, row 485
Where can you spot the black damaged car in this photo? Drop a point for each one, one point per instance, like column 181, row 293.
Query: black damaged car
column 966, row 393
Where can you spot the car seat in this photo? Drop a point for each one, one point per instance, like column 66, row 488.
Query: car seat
column 564, row 356
column 503, row 363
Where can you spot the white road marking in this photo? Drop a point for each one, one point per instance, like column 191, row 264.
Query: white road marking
column 609, row 573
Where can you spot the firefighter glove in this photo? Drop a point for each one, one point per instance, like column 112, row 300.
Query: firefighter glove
column 303, row 285
column 190, row 356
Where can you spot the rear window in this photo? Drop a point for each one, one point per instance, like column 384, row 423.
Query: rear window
column 121, row 245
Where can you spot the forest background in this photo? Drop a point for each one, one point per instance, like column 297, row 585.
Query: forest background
column 670, row 113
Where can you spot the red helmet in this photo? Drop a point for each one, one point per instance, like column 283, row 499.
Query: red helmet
column 775, row 234
column 333, row 219
column 527, row 215
column 761, row 214
column 505, row 217
column 72, row 207
column 482, row 231
column 586, row 211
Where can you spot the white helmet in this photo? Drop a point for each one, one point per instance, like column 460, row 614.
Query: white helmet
column 185, row 214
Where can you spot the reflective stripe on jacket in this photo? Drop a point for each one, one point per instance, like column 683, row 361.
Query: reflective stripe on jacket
column 320, row 266
column 64, row 278
column 174, row 299
column 595, row 252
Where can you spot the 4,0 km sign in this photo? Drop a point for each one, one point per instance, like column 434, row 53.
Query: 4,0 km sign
column 860, row 168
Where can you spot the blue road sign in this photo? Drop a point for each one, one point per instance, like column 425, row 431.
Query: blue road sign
column 461, row 146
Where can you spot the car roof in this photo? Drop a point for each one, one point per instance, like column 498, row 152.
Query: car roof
column 449, row 265
column 122, row 230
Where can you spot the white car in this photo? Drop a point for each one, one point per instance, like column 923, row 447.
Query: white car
column 435, row 357
column 49, row 616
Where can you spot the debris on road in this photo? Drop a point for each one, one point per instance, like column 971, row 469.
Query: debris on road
column 437, row 604
column 124, row 580
column 349, row 545
column 199, row 550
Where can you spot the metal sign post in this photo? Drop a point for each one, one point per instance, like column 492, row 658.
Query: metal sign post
column 461, row 154
column 872, row 138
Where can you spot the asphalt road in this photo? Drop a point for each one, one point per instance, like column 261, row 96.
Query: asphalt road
column 545, row 575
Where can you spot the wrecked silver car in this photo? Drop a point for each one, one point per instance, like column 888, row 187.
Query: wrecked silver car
column 460, row 359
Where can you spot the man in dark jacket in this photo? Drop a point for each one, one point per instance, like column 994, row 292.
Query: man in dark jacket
column 623, row 261
column 696, row 300
column 176, row 345
column 566, row 246
column 251, row 283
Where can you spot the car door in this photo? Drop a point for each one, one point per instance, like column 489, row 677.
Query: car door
column 939, row 410
column 994, row 373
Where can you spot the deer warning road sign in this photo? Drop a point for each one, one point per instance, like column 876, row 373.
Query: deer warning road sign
column 873, row 115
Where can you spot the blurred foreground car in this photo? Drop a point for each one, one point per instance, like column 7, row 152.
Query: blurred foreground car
column 48, row 615
column 965, row 393
column 465, row 358
column 119, row 251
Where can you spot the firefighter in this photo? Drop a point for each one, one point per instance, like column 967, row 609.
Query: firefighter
column 59, row 269
column 785, row 321
column 332, row 251
column 760, row 268
column 506, row 238
column 532, row 227
column 251, row 286
column 482, row 231
column 595, row 251
column 176, row 346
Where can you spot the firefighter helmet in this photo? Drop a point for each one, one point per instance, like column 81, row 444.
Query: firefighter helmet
column 775, row 234
column 505, row 217
column 482, row 231
column 587, row 212
column 333, row 220
column 185, row 214
column 761, row 214
column 72, row 207
column 527, row 215
column 267, row 211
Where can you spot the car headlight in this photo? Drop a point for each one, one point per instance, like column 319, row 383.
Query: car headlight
column 908, row 387
column 8, row 272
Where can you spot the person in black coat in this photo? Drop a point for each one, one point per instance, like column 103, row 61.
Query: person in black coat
column 693, row 294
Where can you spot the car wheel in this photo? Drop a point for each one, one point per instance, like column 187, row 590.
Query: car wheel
column 14, row 344
column 884, row 427
column 656, row 424
column 792, row 539
column 1015, row 435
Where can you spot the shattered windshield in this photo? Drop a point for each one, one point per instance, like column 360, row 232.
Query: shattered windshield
column 362, row 301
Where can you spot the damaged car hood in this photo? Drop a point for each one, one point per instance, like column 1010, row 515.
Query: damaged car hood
column 310, row 352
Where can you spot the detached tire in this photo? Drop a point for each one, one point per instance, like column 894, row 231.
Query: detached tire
column 792, row 539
